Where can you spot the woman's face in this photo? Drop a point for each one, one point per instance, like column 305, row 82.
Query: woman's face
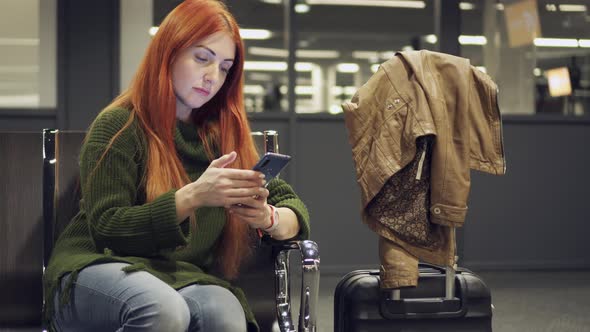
column 200, row 70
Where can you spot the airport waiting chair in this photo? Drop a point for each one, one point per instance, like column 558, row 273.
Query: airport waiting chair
column 26, row 247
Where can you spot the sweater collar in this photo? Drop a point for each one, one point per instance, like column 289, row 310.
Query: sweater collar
column 188, row 143
column 187, row 131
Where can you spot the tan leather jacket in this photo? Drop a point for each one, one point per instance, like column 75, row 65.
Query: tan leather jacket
column 419, row 93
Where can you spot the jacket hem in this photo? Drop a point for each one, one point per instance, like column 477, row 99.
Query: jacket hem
column 443, row 255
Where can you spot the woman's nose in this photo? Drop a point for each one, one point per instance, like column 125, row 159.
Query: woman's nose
column 212, row 74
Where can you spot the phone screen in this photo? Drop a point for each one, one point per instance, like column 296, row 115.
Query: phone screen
column 271, row 165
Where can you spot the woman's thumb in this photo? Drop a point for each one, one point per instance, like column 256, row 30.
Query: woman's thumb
column 224, row 160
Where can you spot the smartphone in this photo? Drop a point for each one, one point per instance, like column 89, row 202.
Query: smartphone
column 271, row 165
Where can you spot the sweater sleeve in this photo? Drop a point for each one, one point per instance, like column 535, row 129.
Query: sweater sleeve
column 282, row 195
column 117, row 218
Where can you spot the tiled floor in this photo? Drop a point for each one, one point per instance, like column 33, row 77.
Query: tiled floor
column 523, row 301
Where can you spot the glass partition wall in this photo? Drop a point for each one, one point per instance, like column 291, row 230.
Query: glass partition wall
column 28, row 56
column 340, row 43
column 537, row 51
column 345, row 41
column 262, row 26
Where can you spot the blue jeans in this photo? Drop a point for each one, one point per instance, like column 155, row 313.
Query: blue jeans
column 104, row 298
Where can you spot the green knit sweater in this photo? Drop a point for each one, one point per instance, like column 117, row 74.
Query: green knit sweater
column 115, row 224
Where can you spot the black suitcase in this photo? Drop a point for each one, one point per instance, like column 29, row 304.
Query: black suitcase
column 359, row 304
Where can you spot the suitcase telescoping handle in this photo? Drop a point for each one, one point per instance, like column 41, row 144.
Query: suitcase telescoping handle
column 448, row 271
column 393, row 306
column 425, row 307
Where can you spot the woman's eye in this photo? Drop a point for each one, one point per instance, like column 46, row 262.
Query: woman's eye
column 201, row 58
column 225, row 70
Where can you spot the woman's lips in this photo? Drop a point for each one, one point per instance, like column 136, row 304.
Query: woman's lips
column 202, row 91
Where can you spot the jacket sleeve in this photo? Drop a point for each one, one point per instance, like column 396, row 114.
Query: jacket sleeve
column 117, row 218
column 282, row 195
column 486, row 141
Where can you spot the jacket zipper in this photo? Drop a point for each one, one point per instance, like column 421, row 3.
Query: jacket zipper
column 421, row 162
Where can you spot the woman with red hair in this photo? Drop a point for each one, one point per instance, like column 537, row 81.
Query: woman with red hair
column 169, row 201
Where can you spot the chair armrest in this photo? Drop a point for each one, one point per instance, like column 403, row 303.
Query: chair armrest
column 310, row 281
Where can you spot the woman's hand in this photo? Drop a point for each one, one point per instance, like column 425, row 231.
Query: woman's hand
column 255, row 211
column 220, row 186
column 258, row 216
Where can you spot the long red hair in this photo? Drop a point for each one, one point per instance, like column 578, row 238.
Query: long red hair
column 221, row 123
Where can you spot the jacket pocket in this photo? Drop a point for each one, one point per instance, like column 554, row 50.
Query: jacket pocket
column 447, row 215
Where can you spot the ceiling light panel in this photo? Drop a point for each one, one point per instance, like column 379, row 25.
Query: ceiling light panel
column 301, row 9
column 371, row 3
column 347, row 67
column 472, row 40
column 556, row 42
column 19, row 41
column 550, row 7
column 368, row 55
column 267, row 51
column 275, row 66
column 317, row 54
column 431, row 39
column 282, row 53
column 572, row 8
column 257, row 34
column 244, row 33
column 466, row 6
